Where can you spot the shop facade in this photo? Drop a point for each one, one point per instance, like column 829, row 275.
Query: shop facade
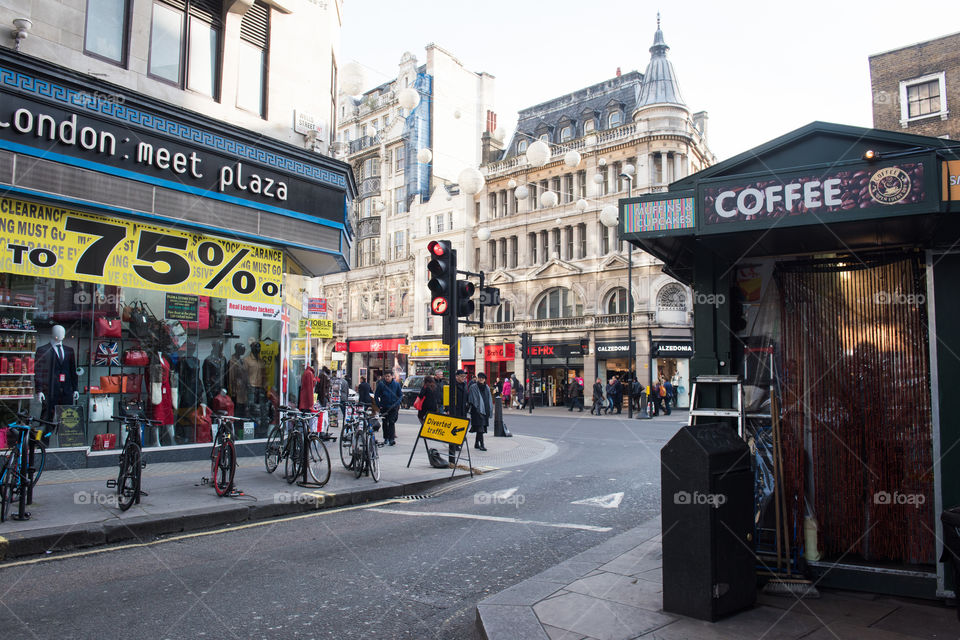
column 670, row 360
column 146, row 250
column 499, row 360
column 370, row 358
column 551, row 368
column 824, row 272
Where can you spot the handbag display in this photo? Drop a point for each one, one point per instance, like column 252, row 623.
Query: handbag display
column 136, row 358
column 132, row 408
column 142, row 321
column 222, row 402
column 111, row 384
column 131, row 383
column 101, row 408
column 104, row 441
column 107, row 354
column 107, row 328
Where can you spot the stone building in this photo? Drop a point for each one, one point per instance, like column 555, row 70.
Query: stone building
column 915, row 86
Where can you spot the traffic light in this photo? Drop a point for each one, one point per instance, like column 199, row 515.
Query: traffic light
column 524, row 344
column 465, row 291
column 443, row 274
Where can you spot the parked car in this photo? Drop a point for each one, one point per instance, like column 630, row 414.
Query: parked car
column 410, row 390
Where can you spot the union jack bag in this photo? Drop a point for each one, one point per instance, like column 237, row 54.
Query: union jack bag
column 108, row 354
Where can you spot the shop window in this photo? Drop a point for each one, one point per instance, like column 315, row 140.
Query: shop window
column 254, row 49
column 105, row 31
column 185, row 44
column 923, row 97
column 616, row 301
column 558, row 302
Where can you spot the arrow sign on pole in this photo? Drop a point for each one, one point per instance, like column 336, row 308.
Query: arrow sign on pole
column 611, row 501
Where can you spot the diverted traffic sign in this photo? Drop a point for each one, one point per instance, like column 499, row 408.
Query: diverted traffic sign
column 444, row 428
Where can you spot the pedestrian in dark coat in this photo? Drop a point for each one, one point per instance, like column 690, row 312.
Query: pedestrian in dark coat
column 597, row 397
column 388, row 396
column 429, row 404
column 480, row 402
column 364, row 393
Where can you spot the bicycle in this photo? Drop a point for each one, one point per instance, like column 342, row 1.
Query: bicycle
column 223, row 454
column 287, row 441
column 17, row 479
column 366, row 449
column 132, row 464
column 353, row 419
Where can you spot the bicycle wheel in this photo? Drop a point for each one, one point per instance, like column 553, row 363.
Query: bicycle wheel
column 224, row 468
column 7, row 473
column 359, row 457
column 128, row 481
column 271, row 455
column 373, row 458
column 318, row 461
column 346, row 455
column 41, row 457
column 293, row 467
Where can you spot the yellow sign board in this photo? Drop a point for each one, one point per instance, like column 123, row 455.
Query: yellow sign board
column 951, row 180
column 319, row 328
column 46, row 241
column 298, row 348
column 444, row 428
column 404, row 349
column 429, row 349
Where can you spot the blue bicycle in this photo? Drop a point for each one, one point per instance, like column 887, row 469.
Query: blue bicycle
column 18, row 475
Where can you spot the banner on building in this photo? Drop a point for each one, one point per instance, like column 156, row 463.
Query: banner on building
column 319, row 328
column 951, row 180
column 52, row 242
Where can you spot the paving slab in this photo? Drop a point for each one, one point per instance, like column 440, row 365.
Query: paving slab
column 621, row 589
column 598, row 618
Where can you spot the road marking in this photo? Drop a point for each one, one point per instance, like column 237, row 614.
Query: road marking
column 474, row 516
column 503, row 494
column 187, row 536
column 610, row 501
column 463, row 483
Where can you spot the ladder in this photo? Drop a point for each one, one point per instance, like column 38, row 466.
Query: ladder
column 737, row 411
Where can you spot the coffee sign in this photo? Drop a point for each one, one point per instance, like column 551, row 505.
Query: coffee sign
column 830, row 194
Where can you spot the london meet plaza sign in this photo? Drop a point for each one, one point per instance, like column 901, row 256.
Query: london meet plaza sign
column 124, row 150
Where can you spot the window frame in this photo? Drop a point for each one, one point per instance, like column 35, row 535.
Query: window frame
column 184, row 52
column 522, row 147
column 125, row 37
column 619, row 114
column 905, row 117
column 566, row 133
column 618, row 297
column 543, row 300
column 591, row 123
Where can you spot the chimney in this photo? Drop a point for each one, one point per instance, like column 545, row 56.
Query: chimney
column 618, row 72
column 490, row 148
column 700, row 122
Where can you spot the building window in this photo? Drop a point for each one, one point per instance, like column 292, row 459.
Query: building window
column 185, row 44
column 616, row 301
column 398, row 157
column 566, row 133
column 371, row 168
column 106, row 29
column 589, row 125
column 492, row 248
column 923, row 97
column 369, row 252
column 672, row 298
column 581, row 184
column 522, row 146
column 604, row 239
column 582, row 233
column 545, row 137
column 492, row 205
column 476, row 259
column 514, row 251
column 502, row 198
column 399, row 245
column 558, row 302
column 334, row 79
column 615, row 119
column 400, row 200
column 503, row 312
column 439, row 223
column 568, row 253
column 532, row 245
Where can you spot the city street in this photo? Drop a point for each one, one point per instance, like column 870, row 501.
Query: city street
column 399, row 568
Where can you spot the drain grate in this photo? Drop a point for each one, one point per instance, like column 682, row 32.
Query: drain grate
column 415, row 497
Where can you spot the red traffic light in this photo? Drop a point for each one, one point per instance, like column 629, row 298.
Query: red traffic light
column 436, row 248
column 439, row 306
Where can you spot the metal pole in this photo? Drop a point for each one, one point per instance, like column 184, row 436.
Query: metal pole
column 630, row 308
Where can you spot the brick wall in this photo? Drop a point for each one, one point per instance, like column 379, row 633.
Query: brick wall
column 888, row 69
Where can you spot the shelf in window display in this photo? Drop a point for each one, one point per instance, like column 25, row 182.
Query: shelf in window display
column 17, row 352
column 16, row 306
column 17, row 397
column 18, row 330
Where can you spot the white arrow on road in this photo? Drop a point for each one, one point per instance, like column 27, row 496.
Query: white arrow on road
column 611, row 501
column 503, row 494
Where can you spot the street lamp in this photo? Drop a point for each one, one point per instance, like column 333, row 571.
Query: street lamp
column 627, row 174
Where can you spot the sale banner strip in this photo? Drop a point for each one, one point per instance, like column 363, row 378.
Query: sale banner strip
column 444, row 428
column 52, row 242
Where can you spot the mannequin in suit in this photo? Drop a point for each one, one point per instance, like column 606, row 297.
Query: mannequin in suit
column 215, row 370
column 55, row 374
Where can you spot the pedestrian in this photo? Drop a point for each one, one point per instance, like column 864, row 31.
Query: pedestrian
column 344, row 396
column 364, row 393
column 428, row 398
column 597, row 397
column 480, row 402
column 505, row 393
column 323, row 387
column 655, row 397
column 518, row 390
column 576, row 395
column 664, row 398
column 636, row 390
column 610, row 396
column 671, row 395
column 458, row 408
column 388, row 396
column 618, row 394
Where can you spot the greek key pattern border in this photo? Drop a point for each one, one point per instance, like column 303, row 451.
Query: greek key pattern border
column 92, row 101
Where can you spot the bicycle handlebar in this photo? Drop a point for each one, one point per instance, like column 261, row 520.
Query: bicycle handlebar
column 136, row 419
column 27, row 418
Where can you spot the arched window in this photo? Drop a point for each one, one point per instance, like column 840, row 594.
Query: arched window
column 558, row 302
column 615, row 119
column 522, row 146
column 545, row 137
column 672, row 298
column 616, row 301
column 589, row 125
column 502, row 313
column 566, row 133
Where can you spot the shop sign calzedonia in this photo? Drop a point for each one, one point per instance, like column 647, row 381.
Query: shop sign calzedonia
column 52, row 242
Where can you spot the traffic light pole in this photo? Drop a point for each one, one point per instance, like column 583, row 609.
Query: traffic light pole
column 451, row 337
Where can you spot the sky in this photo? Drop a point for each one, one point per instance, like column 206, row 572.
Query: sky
column 760, row 69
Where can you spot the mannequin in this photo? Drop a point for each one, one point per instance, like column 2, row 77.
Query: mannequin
column 162, row 400
column 55, row 374
column 237, row 380
column 215, row 370
column 192, row 393
column 256, row 388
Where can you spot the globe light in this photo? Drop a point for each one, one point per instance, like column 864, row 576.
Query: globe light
column 538, row 153
column 629, row 169
column 598, row 178
column 499, row 134
column 408, row 98
column 424, row 156
column 571, row 159
column 602, row 162
column 608, row 216
column 559, row 221
column 512, row 184
column 548, row 199
column 471, row 181
column 581, row 205
column 483, row 234
column 456, row 114
column 522, row 192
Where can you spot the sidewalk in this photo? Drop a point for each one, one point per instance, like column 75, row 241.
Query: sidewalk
column 74, row 508
column 613, row 591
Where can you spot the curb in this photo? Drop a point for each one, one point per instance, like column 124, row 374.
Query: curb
column 141, row 528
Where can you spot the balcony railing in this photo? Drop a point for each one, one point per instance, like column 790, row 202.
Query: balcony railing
column 360, row 144
column 370, row 187
column 576, row 322
column 368, row 227
column 640, row 319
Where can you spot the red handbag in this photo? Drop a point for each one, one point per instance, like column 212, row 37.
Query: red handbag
column 103, row 441
column 131, row 383
column 222, row 402
column 110, row 384
column 136, row 358
column 107, row 328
